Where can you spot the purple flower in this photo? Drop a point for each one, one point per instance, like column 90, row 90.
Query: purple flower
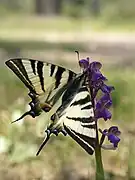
column 106, row 89
column 84, row 63
column 99, row 84
column 112, row 134
column 114, row 139
column 96, row 75
column 94, row 70
column 95, row 66
column 104, row 113
column 105, row 101
column 102, row 106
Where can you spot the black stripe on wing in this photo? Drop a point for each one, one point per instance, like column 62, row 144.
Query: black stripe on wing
column 81, row 101
column 33, row 66
column 52, row 69
column 71, row 76
column 87, row 107
column 20, row 76
column 88, row 125
column 87, row 143
column 22, row 69
column 58, row 76
column 83, row 88
column 40, row 73
column 81, row 119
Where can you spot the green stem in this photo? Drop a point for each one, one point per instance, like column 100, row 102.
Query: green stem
column 99, row 164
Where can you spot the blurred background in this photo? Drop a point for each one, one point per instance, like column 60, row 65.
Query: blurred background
column 51, row 30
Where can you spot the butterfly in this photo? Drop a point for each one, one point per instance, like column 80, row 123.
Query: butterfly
column 64, row 93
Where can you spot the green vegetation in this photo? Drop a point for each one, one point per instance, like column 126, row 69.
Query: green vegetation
column 123, row 96
column 34, row 24
column 110, row 16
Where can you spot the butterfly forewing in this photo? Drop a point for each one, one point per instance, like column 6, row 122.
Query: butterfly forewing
column 41, row 78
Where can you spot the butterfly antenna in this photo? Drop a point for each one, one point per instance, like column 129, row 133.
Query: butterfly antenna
column 78, row 55
column 44, row 142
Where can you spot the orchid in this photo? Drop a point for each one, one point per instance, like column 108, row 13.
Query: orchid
column 96, row 83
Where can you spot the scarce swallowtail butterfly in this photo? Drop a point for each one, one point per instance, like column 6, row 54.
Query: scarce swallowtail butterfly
column 49, row 84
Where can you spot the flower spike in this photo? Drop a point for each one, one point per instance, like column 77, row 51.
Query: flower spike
column 103, row 103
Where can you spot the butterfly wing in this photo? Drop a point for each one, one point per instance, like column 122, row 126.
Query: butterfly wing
column 45, row 81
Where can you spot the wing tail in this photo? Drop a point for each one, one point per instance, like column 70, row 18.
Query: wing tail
column 25, row 114
column 48, row 132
